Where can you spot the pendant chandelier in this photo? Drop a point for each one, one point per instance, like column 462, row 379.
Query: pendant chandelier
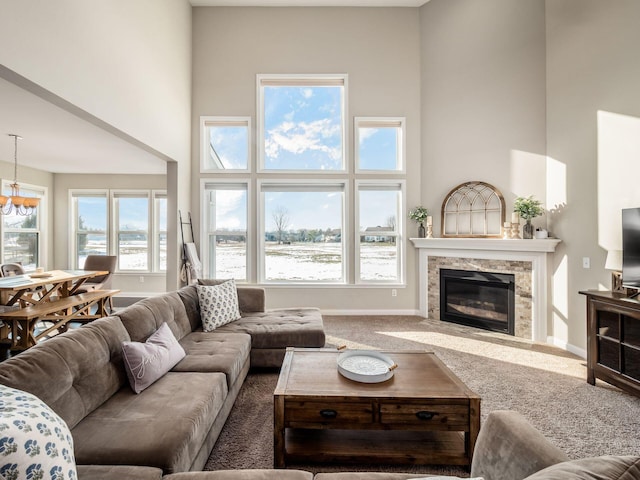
column 19, row 205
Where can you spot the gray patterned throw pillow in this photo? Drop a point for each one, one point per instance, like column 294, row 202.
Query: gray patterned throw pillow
column 35, row 443
column 218, row 304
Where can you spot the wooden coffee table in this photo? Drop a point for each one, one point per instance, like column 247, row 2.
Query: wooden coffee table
column 424, row 414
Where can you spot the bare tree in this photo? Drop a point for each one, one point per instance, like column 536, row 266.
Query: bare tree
column 281, row 221
column 391, row 222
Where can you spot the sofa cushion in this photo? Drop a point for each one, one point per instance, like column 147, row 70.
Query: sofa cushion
column 218, row 304
column 247, row 474
column 147, row 362
column 281, row 328
column 215, row 352
column 118, row 472
column 35, row 442
column 189, row 297
column 378, row 476
column 145, row 317
column 83, row 368
column 164, row 426
column 595, row 468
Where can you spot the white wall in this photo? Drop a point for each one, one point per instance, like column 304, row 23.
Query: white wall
column 593, row 127
column 483, row 98
column 127, row 63
column 378, row 48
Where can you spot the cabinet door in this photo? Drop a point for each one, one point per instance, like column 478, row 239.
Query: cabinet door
column 630, row 337
column 607, row 335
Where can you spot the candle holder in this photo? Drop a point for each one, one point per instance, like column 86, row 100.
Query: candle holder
column 429, row 231
column 515, row 230
column 506, row 231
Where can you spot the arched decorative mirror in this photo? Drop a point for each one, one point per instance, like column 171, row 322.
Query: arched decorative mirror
column 473, row 209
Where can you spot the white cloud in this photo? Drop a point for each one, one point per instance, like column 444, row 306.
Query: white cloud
column 364, row 133
column 226, row 205
column 307, row 92
column 298, row 138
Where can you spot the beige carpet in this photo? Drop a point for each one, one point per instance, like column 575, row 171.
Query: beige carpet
column 544, row 383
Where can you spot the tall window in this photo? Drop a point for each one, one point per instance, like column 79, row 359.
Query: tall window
column 302, row 227
column 91, row 225
column 226, row 230
column 129, row 224
column 132, row 230
column 302, row 122
column 380, row 220
column 21, row 235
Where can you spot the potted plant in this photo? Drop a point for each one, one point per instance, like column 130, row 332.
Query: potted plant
column 419, row 214
column 528, row 208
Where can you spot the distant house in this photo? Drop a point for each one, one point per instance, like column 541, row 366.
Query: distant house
column 378, row 234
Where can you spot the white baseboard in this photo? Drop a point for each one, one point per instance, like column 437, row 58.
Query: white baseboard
column 582, row 353
column 371, row 312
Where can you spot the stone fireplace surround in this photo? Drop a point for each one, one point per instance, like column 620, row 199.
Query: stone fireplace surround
column 528, row 260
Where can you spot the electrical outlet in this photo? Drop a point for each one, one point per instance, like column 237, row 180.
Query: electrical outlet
column 586, row 262
column 394, row 292
column 141, row 279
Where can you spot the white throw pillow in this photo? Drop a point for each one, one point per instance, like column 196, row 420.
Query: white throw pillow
column 149, row 361
column 218, row 304
column 34, row 441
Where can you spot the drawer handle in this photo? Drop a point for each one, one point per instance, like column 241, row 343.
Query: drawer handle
column 328, row 413
column 424, row 415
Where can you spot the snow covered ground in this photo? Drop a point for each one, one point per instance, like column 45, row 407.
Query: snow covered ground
column 298, row 261
column 309, row 261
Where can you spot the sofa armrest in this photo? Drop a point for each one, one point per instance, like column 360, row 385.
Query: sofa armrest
column 251, row 299
column 509, row 447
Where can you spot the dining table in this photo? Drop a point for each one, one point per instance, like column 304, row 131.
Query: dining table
column 61, row 283
column 48, row 296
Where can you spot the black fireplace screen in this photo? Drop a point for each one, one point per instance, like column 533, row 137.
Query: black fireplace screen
column 478, row 299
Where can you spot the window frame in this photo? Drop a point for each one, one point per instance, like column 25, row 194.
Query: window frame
column 400, row 233
column 222, row 121
column 294, row 80
column 298, row 183
column 157, row 231
column 381, row 122
column 42, row 193
column 204, row 221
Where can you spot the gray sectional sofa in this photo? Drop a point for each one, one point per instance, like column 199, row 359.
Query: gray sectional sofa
column 173, row 424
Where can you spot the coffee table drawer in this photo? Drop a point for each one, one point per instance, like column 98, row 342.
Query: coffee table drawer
column 437, row 416
column 303, row 412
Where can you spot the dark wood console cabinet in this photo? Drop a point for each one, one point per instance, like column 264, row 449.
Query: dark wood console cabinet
column 613, row 339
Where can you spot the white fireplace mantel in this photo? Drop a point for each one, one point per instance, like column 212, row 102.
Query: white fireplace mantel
column 538, row 251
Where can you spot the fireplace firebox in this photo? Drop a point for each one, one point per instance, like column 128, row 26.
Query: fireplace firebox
column 478, row 299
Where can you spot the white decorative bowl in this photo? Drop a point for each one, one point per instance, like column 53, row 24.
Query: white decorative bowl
column 366, row 366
